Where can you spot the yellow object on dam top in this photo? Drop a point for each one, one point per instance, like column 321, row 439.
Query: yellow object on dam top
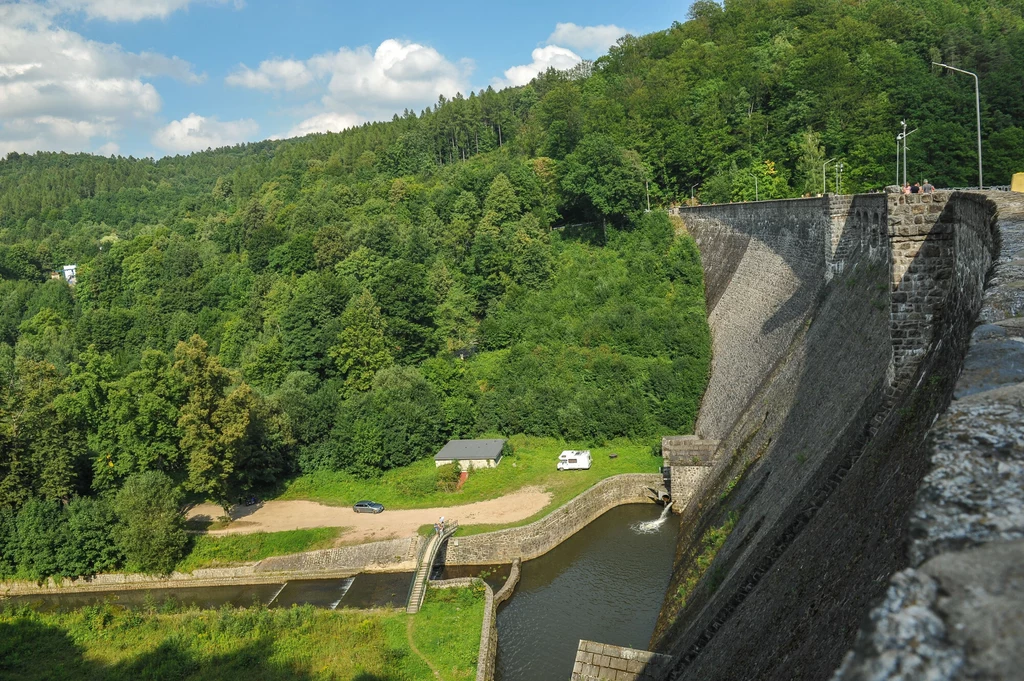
column 1017, row 183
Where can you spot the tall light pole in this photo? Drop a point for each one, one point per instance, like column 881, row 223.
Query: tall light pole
column 691, row 191
column 898, row 138
column 824, row 187
column 977, row 110
column 905, row 136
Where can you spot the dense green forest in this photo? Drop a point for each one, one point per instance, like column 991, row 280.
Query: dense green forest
column 349, row 301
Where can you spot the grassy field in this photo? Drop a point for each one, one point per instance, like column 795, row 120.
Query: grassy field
column 532, row 464
column 447, row 630
column 257, row 644
column 206, row 551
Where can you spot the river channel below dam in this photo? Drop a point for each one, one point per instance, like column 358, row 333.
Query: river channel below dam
column 605, row 583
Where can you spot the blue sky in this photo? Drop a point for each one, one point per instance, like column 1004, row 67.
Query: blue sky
column 157, row 77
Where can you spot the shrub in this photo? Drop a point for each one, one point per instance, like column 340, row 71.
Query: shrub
column 42, row 533
column 8, row 542
column 397, row 422
column 448, row 477
column 151, row 532
column 90, row 546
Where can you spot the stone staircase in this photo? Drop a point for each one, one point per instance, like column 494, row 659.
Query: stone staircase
column 424, row 563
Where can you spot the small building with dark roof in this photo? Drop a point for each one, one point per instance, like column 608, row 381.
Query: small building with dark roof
column 476, row 453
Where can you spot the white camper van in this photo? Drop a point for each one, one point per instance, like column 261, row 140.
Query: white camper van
column 574, row 460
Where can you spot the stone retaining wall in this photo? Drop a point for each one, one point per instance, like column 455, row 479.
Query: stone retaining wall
column 394, row 555
column 541, row 536
column 603, row 662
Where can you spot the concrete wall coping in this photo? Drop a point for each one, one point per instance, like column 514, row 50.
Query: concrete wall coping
column 603, row 662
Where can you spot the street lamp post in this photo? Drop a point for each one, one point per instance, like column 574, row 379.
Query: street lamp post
column 902, row 136
column 905, row 136
column 977, row 110
column 898, row 138
column 824, row 187
column 691, row 191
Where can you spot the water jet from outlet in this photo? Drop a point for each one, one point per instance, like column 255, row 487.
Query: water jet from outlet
column 652, row 526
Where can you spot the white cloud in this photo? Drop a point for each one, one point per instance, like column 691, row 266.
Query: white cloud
column 49, row 132
column 108, row 149
column 59, row 90
column 396, row 72
column 126, row 10
column 587, row 39
column 273, row 74
column 194, row 132
column 357, row 85
column 544, row 58
column 325, row 122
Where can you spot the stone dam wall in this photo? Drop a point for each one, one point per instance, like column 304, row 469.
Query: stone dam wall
column 839, row 328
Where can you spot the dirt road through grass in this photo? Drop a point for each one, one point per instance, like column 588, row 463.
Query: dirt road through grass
column 277, row 516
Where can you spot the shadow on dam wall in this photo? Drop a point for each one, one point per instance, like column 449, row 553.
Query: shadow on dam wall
column 839, row 325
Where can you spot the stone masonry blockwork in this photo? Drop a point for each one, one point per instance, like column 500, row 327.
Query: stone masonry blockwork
column 537, row 538
column 830, row 376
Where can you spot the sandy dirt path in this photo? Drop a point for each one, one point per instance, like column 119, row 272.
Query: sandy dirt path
column 276, row 516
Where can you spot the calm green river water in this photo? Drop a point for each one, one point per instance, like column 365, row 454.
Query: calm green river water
column 605, row 584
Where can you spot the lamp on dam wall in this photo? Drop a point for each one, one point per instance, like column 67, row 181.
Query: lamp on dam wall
column 902, row 137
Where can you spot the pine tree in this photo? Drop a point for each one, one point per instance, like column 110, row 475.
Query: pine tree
column 205, row 380
column 456, row 326
column 361, row 350
column 502, row 200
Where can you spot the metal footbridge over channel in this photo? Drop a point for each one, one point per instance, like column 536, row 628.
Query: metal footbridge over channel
column 424, row 564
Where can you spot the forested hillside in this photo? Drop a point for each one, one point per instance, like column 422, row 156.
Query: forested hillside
column 349, row 301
